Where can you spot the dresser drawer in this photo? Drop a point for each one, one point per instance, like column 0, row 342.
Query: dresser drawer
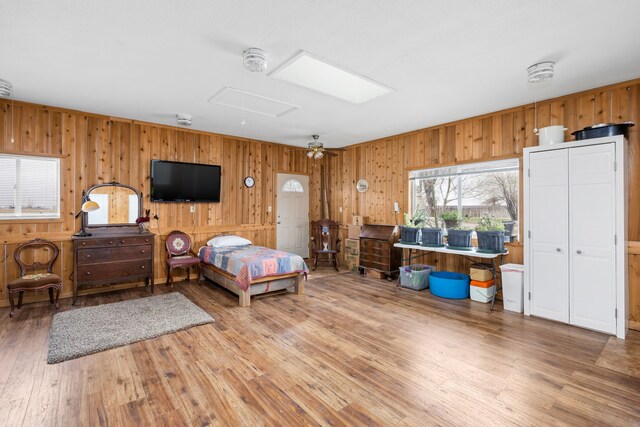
column 134, row 240
column 96, row 255
column 112, row 271
column 374, row 246
column 96, row 243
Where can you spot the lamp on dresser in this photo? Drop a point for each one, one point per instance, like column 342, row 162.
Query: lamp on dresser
column 88, row 205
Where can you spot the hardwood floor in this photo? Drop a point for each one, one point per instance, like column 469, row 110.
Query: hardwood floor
column 351, row 351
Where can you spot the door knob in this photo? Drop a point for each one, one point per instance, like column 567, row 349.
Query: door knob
column 558, row 250
column 578, row 251
column 278, row 222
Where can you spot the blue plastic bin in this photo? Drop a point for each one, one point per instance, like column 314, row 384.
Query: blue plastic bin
column 446, row 284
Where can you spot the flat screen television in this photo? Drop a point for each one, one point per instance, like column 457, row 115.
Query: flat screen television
column 184, row 182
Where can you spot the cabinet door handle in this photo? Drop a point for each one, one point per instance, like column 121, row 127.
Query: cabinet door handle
column 578, row 251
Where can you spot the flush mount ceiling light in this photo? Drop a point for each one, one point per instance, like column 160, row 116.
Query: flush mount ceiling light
column 254, row 59
column 6, row 89
column 541, row 72
column 311, row 72
column 184, row 119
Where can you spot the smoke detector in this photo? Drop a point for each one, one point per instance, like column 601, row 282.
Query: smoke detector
column 254, row 60
column 6, row 89
column 541, row 72
column 184, row 119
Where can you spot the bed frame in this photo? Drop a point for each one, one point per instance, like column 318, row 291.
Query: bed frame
column 258, row 286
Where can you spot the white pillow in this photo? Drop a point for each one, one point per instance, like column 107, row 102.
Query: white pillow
column 224, row 241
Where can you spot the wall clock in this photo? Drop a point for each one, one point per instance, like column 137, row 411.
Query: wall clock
column 249, row 182
column 362, row 186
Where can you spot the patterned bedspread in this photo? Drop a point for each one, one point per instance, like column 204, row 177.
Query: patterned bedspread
column 252, row 262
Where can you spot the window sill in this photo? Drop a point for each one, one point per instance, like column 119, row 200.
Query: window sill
column 31, row 220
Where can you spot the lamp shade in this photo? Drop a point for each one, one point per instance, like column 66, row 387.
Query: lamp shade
column 90, row 206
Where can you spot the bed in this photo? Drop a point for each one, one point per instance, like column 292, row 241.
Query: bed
column 252, row 270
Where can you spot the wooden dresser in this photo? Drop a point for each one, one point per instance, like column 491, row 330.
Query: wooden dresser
column 377, row 251
column 113, row 257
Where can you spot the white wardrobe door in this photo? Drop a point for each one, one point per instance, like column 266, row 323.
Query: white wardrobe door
column 592, row 229
column 549, row 213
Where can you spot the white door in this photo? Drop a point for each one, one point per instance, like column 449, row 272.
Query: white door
column 549, row 242
column 592, row 225
column 292, row 222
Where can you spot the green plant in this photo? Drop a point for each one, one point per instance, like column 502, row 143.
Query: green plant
column 488, row 223
column 461, row 228
column 414, row 220
column 451, row 216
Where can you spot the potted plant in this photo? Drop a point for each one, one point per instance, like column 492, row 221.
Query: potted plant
column 459, row 238
column 409, row 231
column 490, row 232
column 451, row 219
column 509, row 226
column 431, row 236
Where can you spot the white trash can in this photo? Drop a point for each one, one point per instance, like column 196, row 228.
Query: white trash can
column 513, row 287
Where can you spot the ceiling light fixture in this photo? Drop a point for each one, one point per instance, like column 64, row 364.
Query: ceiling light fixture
column 184, row 119
column 254, row 59
column 541, row 72
column 6, row 89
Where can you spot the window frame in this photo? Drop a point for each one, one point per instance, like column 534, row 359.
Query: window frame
column 464, row 169
column 48, row 218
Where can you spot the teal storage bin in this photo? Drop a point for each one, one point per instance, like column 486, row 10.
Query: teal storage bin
column 446, row 284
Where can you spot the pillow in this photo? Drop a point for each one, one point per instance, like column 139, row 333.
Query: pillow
column 224, row 241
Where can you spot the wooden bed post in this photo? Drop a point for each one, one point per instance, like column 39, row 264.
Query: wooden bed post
column 299, row 286
column 245, row 298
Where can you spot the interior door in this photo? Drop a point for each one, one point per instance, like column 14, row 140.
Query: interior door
column 592, row 221
column 292, row 225
column 549, row 214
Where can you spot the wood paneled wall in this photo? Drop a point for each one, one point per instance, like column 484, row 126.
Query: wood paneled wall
column 96, row 149
column 385, row 162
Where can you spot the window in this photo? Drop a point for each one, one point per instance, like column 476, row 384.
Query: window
column 29, row 187
column 473, row 190
column 292, row 186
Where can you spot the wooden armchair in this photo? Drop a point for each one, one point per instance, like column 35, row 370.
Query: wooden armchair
column 325, row 241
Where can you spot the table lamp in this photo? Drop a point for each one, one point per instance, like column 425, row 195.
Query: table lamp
column 88, row 205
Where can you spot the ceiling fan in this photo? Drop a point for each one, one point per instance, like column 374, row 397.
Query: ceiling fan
column 316, row 150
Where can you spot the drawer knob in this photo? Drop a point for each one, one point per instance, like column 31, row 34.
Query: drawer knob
column 142, row 252
column 121, row 241
column 142, row 267
column 84, row 243
column 146, row 240
column 88, row 256
column 111, row 242
column 88, row 273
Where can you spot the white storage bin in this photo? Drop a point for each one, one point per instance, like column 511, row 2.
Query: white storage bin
column 513, row 287
column 481, row 294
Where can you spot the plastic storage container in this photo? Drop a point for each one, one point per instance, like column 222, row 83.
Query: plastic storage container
column 482, row 291
column 447, row 284
column 513, row 287
column 415, row 276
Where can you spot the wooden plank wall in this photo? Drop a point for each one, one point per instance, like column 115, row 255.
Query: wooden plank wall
column 97, row 149
column 385, row 162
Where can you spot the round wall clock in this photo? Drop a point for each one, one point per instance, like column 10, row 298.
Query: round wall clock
column 249, row 182
column 362, row 186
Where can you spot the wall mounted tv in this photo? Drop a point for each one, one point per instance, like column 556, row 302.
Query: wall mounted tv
column 184, row 182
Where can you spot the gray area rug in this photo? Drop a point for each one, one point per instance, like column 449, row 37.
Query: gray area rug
column 76, row 333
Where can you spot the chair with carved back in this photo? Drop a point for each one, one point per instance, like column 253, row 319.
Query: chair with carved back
column 32, row 277
column 325, row 241
column 180, row 255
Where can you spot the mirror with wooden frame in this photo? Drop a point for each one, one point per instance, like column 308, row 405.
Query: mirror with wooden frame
column 119, row 206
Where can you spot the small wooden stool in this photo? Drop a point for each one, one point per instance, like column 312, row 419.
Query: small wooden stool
column 35, row 281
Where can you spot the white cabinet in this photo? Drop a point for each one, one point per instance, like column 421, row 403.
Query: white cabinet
column 575, row 234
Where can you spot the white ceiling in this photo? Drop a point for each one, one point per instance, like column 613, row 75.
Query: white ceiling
column 446, row 60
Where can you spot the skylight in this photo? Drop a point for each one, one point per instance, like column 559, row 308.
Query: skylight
column 308, row 71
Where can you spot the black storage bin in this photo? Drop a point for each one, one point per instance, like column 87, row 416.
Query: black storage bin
column 491, row 241
column 409, row 235
column 432, row 236
column 459, row 239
